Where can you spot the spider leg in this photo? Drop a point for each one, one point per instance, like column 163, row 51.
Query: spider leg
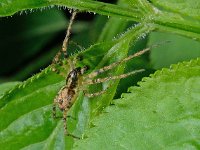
column 101, row 70
column 90, row 95
column 100, row 80
column 67, row 117
column 65, row 124
column 65, row 120
column 68, row 134
column 66, row 40
column 65, row 44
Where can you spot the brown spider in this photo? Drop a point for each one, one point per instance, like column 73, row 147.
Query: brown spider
column 75, row 79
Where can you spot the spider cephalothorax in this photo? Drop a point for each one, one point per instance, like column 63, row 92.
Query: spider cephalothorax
column 66, row 95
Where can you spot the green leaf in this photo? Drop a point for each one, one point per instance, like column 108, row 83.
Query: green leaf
column 26, row 110
column 179, row 49
column 183, row 7
column 170, row 21
column 117, row 27
column 163, row 113
column 8, row 8
column 7, row 86
column 136, row 10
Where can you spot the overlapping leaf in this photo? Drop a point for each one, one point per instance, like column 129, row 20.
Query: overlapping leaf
column 163, row 113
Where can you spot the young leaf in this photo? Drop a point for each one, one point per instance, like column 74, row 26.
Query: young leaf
column 163, row 113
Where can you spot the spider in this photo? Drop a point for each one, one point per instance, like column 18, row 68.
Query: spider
column 76, row 79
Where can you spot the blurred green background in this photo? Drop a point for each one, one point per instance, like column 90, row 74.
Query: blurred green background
column 29, row 41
